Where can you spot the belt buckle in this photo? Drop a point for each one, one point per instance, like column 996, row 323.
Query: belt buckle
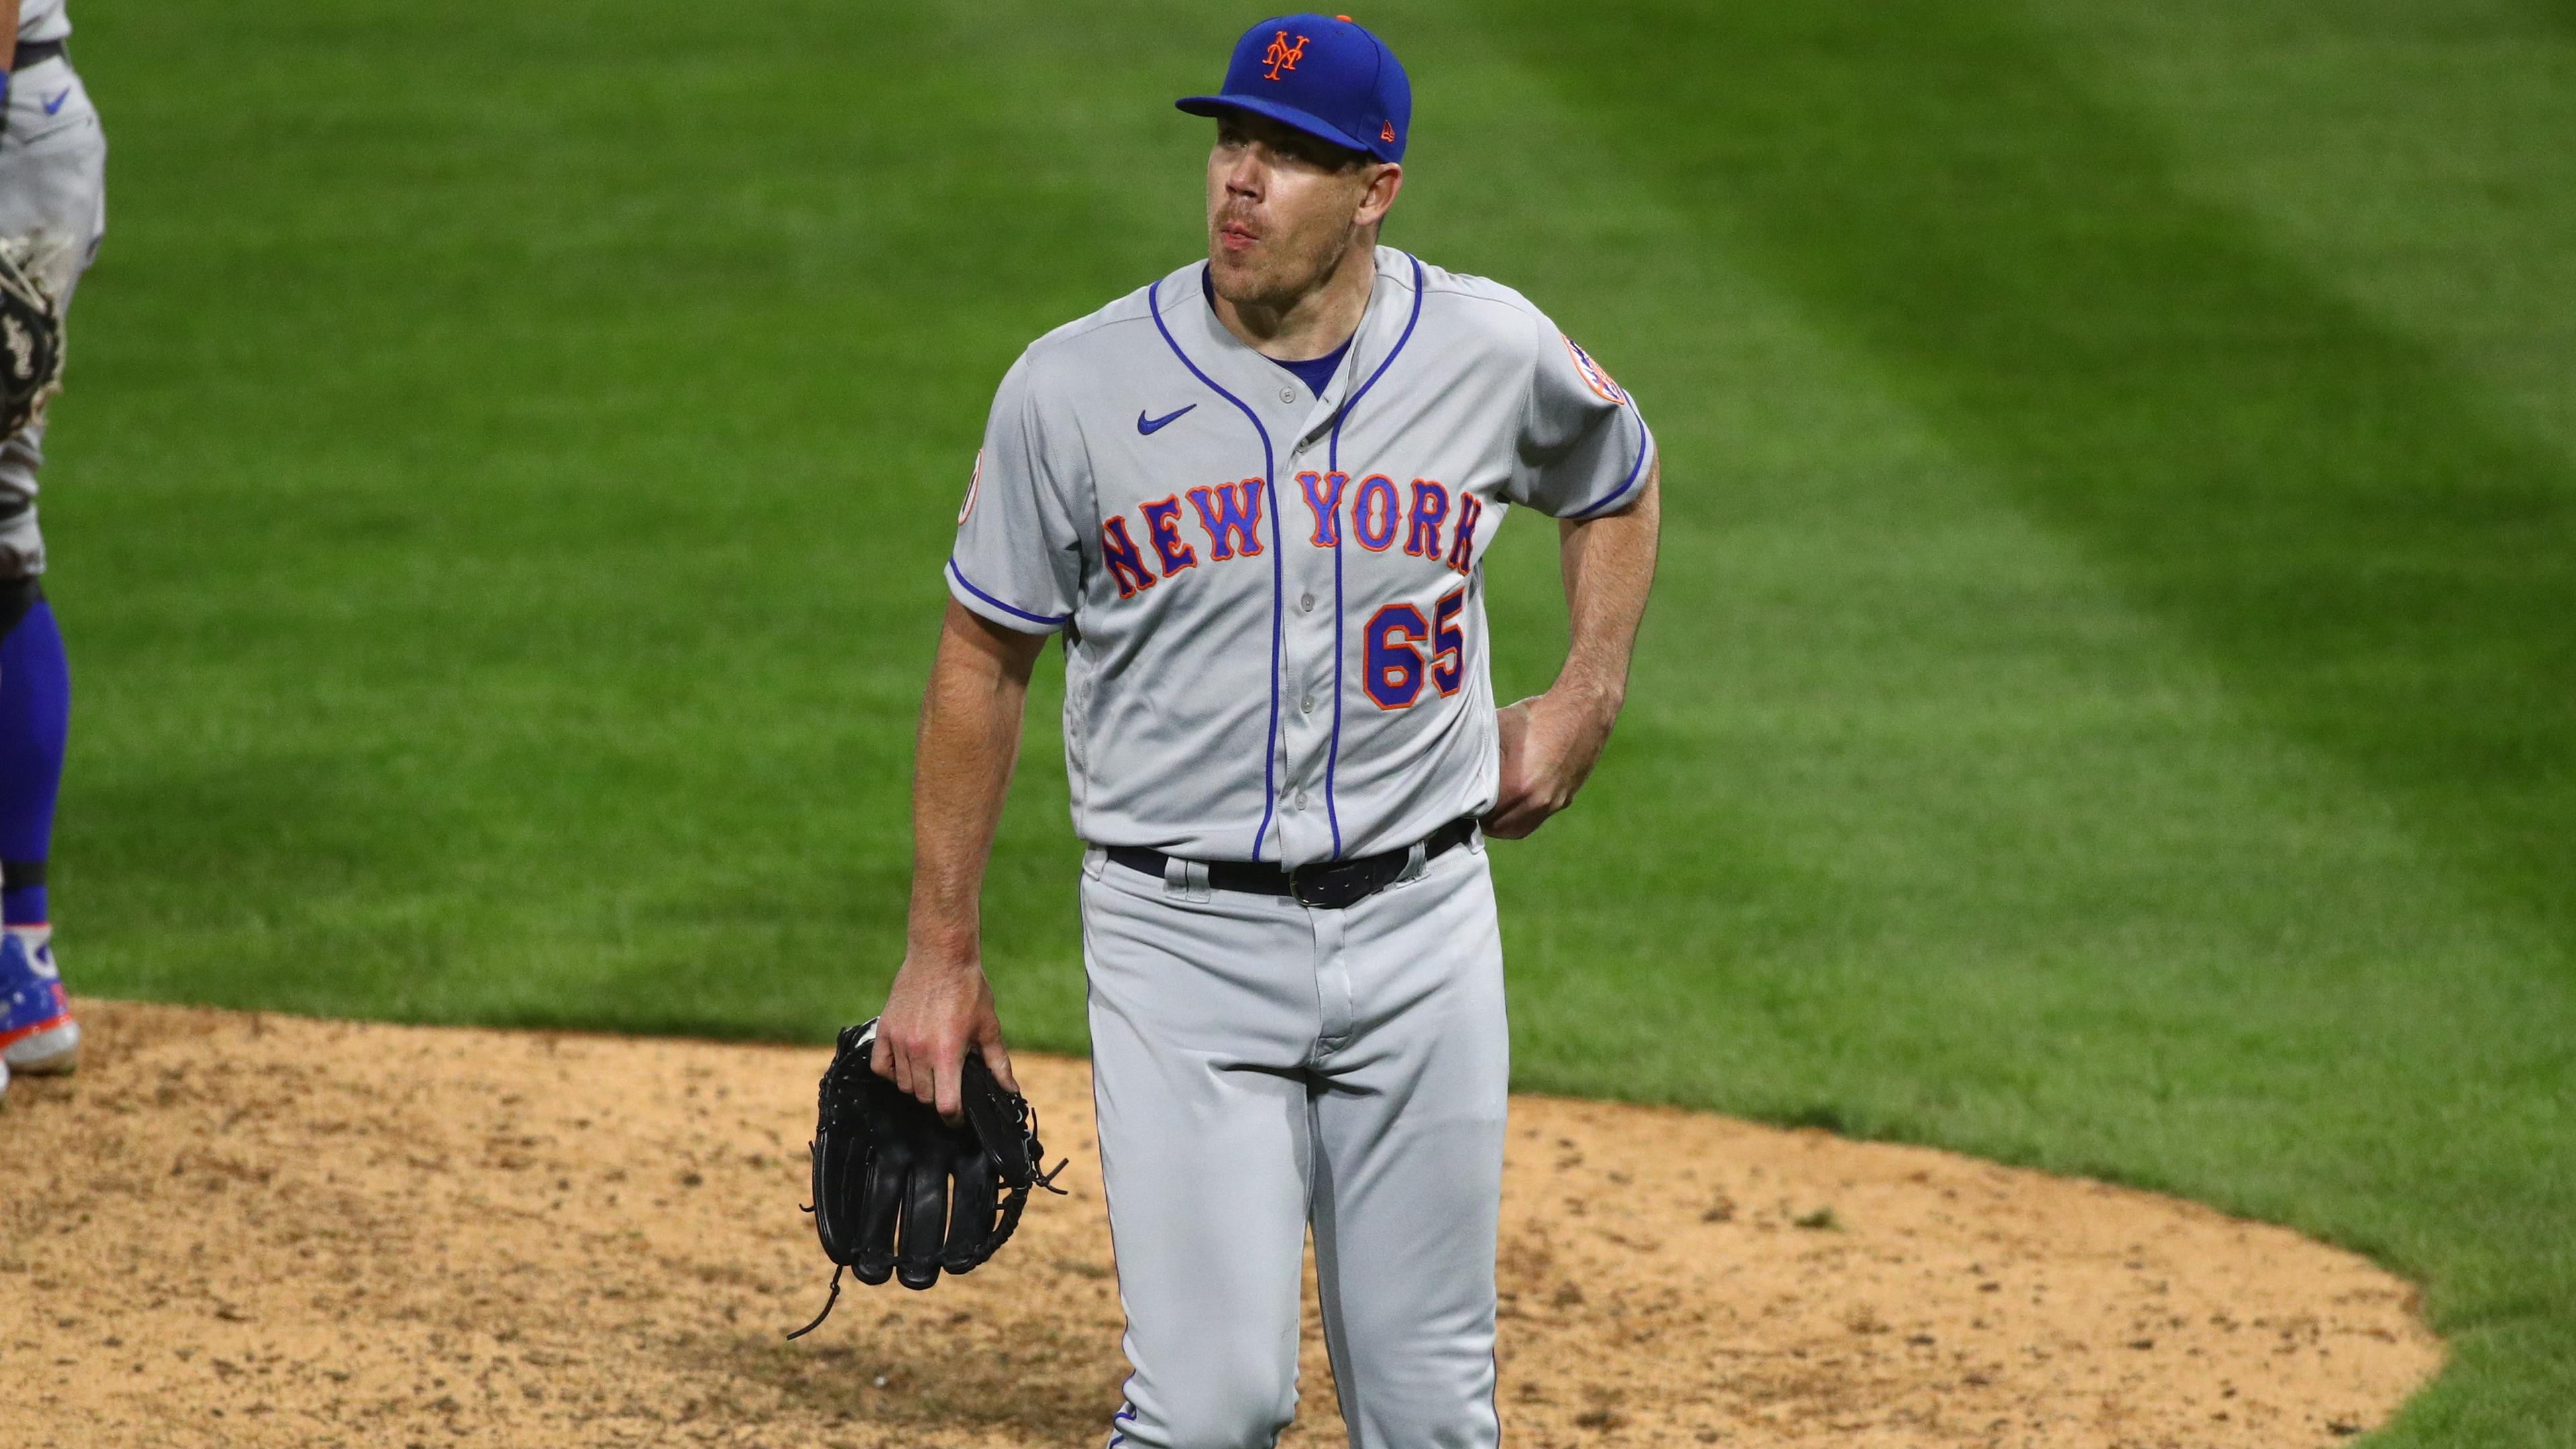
column 1298, row 880
column 1333, row 885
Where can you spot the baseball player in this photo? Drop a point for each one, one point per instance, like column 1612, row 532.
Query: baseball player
column 1253, row 497
column 53, row 207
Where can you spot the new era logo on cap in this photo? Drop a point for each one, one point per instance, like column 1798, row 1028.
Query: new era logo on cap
column 1323, row 75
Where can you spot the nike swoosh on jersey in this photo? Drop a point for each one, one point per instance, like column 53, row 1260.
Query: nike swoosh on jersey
column 1148, row 425
column 56, row 103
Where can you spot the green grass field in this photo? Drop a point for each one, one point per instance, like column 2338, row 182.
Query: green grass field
column 2110, row 704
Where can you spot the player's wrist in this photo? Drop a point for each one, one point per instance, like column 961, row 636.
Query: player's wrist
column 944, row 953
column 1593, row 702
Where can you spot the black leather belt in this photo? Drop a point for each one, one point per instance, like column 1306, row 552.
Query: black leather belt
column 1327, row 884
column 35, row 52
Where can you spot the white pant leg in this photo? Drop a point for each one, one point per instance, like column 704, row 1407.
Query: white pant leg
column 53, row 192
column 1202, row 1017
column 1254, row 1060
column 1408, row 1125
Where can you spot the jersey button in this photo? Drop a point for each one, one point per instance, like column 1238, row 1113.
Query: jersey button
column 1306, row 603
column 1287, row 394
column 1301, row 799
column 1307, row 705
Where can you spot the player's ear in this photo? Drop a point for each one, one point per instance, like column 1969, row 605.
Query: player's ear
column 1379, row 198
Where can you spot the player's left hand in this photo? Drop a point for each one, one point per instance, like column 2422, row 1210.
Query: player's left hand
column 1549, row 745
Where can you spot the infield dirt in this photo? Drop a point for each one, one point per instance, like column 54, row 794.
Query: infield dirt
column 248, row 1230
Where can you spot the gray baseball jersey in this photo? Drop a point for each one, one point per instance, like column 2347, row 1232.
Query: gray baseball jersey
column 1274, row 613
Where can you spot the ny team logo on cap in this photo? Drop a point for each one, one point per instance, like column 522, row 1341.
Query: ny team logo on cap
column 1283, row 56
column 1321, row 74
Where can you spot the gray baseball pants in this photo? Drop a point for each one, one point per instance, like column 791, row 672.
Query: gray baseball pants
column 53, row 191
column 1259, row 1065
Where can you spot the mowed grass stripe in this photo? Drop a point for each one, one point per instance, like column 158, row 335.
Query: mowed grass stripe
column 2379, row 561
column 2378, row 567
column 2412, row 157
column 528, row 618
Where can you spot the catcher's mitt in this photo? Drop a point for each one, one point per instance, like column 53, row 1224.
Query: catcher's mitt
column 884, row 1161
column 31, row 343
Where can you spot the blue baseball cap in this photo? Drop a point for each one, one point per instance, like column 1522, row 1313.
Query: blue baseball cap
column 1323, row 75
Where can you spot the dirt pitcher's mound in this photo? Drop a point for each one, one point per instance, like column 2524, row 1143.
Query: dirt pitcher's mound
column 245, row 1230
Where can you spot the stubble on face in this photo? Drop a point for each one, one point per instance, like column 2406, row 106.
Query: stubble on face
column 1280, row 208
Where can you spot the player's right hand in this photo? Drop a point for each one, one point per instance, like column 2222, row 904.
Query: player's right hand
column 1548, row 745
column 937, row 1011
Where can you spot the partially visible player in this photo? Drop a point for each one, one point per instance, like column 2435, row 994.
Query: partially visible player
column 53, row 203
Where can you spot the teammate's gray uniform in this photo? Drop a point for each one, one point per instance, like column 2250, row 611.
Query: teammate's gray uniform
column 1276, row 651
column 43, row 20
column 53, row 192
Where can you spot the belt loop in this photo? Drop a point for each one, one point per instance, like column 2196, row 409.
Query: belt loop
column 1416, row 861
column 1186, row 880
column 1095, row 860
column 1476, row 836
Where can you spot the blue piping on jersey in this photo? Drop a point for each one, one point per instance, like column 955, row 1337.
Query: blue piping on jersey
column 1645, row 445
column 1278, row 585
column 1333, row 461
column 1050, row 620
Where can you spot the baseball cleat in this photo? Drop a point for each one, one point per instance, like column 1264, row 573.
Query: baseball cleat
column 37, row 1034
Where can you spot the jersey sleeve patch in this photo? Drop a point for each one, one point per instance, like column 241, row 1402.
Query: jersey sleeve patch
column 1593, row 374
column 974, row 484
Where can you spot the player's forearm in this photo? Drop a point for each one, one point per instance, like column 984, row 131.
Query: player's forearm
column 1609, row 566
column 969, row 741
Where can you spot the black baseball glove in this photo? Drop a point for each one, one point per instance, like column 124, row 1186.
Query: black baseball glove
column 31, row 343
column 899, row 1193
